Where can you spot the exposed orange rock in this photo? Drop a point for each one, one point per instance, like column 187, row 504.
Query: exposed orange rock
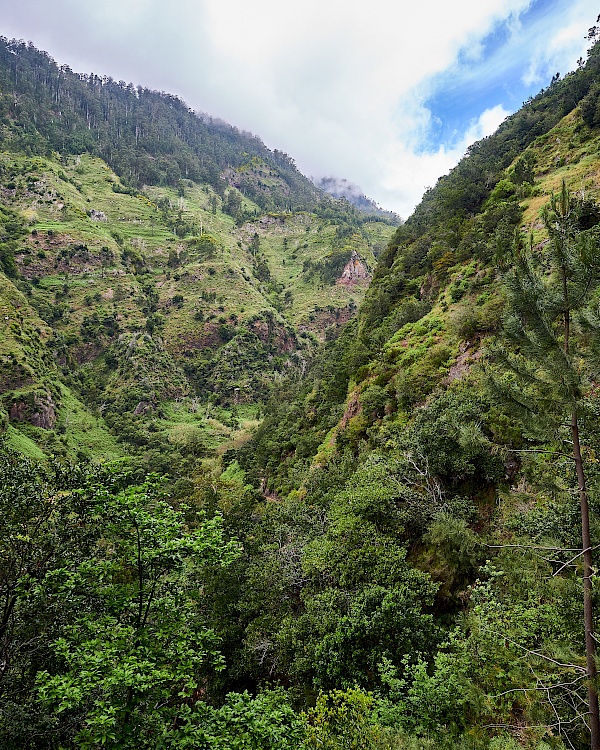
column 354, row 271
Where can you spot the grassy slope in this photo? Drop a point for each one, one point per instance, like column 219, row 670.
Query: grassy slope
column 570, row 152
column 416, row 382
column 29, row 375
column 59, row 205
column 77, row 267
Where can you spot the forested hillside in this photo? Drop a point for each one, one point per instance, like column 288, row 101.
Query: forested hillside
column 274, row 474
column 147, row 137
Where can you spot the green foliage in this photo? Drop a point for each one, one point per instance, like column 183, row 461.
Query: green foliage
column 350, row 596
column 12, row 228
column 206, row 245
column 261, row 269
column 99, row 325
column 107, row 262
column 393, row 537
column 330, row 268
column 373, row 400
column 379, row 621
column 472, row 319
column 428, row 699
column 449, row 434
column 266, row 722
column 44, row 526
column 503, row 190
column 236, row 369
column 523, row 171
column 102, row 607
column 457, row 543
column 445, row 227
column 149, row 137
column 138, row 653
column 551, row 335
column 233, row 203
column 589, row 107
column 549, row 322
column 341, row 721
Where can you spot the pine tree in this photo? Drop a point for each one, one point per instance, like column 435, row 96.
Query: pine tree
column 552, row 337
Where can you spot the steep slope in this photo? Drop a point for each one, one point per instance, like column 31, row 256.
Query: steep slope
column 401, row 445
column 434, row 297
column 40, row 413
column 146, row 136
column 398, row 548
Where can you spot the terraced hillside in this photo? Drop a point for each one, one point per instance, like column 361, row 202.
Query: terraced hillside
column 155, row 295
column 382, row 503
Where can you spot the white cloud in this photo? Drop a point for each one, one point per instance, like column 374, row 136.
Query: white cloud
column 341, row 87
column 559, row 44
column 487, row 122
column 406, row 173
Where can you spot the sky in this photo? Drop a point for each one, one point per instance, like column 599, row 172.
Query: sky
column 384, row 93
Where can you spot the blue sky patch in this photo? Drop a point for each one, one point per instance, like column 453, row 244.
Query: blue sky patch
column 494, row 74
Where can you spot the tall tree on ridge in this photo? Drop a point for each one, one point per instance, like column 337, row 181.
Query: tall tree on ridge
column 550, row 363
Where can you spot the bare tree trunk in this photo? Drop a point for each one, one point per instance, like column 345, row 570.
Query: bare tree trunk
column 588, row 605
column 588, row 613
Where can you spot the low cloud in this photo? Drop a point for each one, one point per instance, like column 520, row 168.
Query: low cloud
column 407, row 173
column 340, row 187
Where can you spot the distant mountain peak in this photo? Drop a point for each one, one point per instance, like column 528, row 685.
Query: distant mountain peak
column 340, row 187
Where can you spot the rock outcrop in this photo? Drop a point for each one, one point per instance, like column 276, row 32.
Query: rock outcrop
column 354, row 271
column 40, row 411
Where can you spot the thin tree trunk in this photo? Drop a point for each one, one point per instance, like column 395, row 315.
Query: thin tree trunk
column 588, row 605
column 588, row 613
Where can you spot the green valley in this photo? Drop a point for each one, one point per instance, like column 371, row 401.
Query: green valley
column 278, row 473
